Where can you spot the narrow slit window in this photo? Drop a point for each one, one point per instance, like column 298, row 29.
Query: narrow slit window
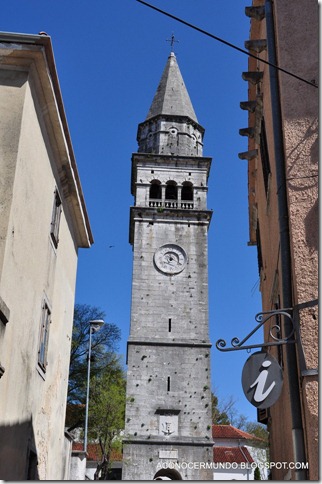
column 169, row 325
column 168, row 384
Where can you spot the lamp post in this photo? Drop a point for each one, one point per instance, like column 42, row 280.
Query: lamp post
column 94, row 326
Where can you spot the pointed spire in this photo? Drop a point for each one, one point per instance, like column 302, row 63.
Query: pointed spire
column 172, row 97
column 171, row 126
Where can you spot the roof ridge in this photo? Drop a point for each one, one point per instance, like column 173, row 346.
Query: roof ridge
column 233, row 430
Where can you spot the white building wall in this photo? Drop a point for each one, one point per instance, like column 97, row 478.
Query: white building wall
column 33, row 402
column 229, row 474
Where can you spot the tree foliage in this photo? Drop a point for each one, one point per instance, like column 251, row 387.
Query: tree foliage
column 258, row 430
column 106, row 415
column 219, row 417
column 257, row 474
column 103, row 356
column 107, row 383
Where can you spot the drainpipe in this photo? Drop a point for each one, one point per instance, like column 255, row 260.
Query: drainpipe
column 245, row 457
column 285, row 252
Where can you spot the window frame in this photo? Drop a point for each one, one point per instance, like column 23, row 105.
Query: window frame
column 55, row 218
column 259, row 249
column 266, row 166
column 45, row 322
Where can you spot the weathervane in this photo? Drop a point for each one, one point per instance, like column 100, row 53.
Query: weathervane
column 172, row 41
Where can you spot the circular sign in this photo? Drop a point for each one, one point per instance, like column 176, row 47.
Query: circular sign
column 262, row 380
column 170, row 259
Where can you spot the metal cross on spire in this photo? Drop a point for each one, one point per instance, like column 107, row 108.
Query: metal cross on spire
column 172, row 41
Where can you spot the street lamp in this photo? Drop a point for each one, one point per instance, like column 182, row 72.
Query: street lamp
column 94, row 326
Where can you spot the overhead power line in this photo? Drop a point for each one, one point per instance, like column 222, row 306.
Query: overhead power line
column 226, row 43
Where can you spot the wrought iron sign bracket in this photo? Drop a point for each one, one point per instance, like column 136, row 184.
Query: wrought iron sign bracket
column 262, row 318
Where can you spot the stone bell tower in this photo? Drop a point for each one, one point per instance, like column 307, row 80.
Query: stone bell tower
column 168, row 414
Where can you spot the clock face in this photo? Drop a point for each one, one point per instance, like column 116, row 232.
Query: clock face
column 170, row 259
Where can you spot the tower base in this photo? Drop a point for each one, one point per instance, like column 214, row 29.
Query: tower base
column 173, row 460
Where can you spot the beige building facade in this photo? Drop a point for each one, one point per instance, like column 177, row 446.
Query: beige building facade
column 43, row 223
column 283, row 212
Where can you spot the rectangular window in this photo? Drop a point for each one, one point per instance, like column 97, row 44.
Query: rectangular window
column 55, row 219
column 264, row 156
column 169, row 325
column 44, row 336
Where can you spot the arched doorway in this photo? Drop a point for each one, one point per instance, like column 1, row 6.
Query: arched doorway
column 167, row 475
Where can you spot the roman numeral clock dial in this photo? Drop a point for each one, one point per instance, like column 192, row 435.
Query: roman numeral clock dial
column 170, row 259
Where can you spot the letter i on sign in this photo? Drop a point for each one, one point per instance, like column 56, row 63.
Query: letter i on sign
column 262, row 380
column 260, row 395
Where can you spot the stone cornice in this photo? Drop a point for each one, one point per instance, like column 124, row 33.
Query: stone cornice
column 163, row 342
column 180, row 441
column 167, row 215
column 34, row 54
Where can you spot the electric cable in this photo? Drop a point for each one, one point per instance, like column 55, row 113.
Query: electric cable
column 229, row 44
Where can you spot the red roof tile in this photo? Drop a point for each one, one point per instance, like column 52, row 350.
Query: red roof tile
column 235, row 455
column 94, row 452
column 230, row 432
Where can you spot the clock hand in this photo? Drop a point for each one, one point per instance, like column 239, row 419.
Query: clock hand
column 171, row 260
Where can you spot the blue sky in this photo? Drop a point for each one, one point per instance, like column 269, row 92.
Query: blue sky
column 110, row 55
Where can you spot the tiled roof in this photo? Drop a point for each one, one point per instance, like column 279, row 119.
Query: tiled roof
column 94, row 452
column 230, row 432
column 235, row 455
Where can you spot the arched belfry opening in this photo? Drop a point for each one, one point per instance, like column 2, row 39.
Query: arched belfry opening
column 187, row 191
column 155, row 190
column 171, row 190
column 167, row 475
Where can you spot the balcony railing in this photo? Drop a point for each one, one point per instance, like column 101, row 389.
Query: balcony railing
column 157, row 203
column 185, row 204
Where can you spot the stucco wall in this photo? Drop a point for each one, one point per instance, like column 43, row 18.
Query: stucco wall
column 32, row 268
column 11, row 99
column 298, row 40
column 296, row 26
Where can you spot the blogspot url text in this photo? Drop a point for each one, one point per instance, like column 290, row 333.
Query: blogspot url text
column 232, row 465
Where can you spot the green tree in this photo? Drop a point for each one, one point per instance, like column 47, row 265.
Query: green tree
column 257, row 474
column 103, row 356
column 258, row 430
column 219, row 416
column 107, row 415
column 107, row 384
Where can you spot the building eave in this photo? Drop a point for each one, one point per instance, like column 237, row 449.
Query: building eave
column 34, row 54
